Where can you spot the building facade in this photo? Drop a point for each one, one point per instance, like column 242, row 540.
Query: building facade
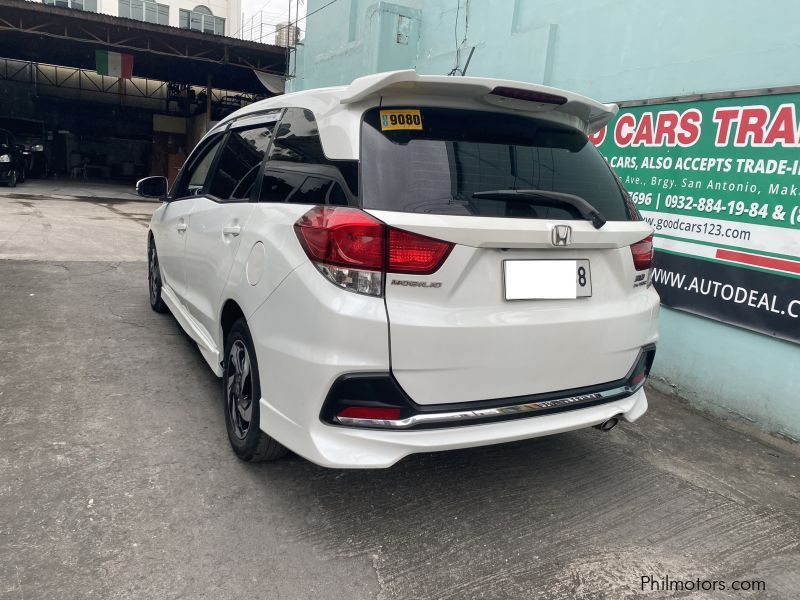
column 286, row 34
column 219, row 17
column 626, row 50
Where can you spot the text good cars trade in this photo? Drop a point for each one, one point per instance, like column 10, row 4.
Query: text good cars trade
column 407, row 264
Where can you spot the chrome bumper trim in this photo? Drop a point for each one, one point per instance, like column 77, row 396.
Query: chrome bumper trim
column 464, row 416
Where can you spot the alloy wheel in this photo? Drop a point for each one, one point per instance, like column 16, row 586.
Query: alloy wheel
column 239, row 389
column 154, row 276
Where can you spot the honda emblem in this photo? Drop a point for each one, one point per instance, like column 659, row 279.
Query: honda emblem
column 562, row 235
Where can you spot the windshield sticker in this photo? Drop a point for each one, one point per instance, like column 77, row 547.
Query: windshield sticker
column 408, row 118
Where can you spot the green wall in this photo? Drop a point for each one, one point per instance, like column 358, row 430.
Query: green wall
column 612, row 50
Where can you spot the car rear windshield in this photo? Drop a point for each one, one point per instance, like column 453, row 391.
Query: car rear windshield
column 434, row 161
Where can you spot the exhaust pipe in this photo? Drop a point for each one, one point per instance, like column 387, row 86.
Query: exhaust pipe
column 607, row 425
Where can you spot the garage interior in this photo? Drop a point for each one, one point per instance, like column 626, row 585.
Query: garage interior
column 104, row 128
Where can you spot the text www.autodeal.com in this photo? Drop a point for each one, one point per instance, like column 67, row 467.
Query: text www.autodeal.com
column 708, row 228
column 727, row 292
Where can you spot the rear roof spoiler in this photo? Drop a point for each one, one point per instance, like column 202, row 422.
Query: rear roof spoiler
column 594, row 114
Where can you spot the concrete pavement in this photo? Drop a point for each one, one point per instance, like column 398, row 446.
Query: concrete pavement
column 72, row 225
column 72, row 189
column 116, row 480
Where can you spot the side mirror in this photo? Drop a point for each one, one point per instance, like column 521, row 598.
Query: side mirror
column 152, row 187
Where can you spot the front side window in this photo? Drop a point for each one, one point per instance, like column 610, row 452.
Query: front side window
column 192, row 182
column 458, row 153
column 240, row 162
column 298, row 170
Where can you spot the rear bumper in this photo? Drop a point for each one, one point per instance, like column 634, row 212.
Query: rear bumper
column 309, row 333
column 376, row 400
column 349, row 448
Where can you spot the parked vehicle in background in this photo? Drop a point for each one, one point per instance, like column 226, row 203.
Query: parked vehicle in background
column 408, row 264
column 31, row 138
column 12, row 164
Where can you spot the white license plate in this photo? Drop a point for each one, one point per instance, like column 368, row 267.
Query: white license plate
column 546, row 279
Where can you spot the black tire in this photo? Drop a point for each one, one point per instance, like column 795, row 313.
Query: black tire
column 12, row 182
column 241, row 392
column 154, row 279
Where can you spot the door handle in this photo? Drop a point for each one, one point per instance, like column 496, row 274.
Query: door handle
column 232, row 230
column 181, row 227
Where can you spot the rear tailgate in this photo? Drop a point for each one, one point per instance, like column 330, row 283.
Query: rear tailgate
column 501, row 316
column 455, row 337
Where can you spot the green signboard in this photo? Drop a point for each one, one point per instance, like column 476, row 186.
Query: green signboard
column 719, row 180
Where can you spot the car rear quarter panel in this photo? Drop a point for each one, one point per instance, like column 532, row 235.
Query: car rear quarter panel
column 271, row 225
column 307, row 333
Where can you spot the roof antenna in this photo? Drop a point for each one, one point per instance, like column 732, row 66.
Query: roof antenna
column 469, row 58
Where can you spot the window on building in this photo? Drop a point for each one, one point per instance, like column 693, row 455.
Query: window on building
column 201, row 19
column 87, row 5
column 143, row 10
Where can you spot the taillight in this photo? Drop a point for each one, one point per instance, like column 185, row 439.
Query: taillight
column 354, row 249
column 415, row 254
column 346, row 245
column 340, row 236
column 643, row 254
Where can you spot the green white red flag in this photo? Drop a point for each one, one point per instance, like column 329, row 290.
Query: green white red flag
column 114, row 64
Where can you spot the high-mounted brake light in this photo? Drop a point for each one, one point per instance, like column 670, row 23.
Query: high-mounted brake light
column 530, row 96
column 643, row 254
column 354, row 250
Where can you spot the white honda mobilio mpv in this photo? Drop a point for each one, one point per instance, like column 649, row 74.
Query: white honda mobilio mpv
column 408, row 264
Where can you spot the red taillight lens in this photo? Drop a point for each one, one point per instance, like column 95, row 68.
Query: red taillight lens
column 643, row 254
column 367, row 412
column 415, row 254
column 354, row 250
column 343, row 237
column 637, row 379
column 642, row 368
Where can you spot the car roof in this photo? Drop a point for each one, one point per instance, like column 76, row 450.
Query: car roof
column 339, row 109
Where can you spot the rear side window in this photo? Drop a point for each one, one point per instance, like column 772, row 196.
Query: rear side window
column 457, row 153
column 277, row 186
column 239, row 163
column 297, row 169
column 314, row 190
